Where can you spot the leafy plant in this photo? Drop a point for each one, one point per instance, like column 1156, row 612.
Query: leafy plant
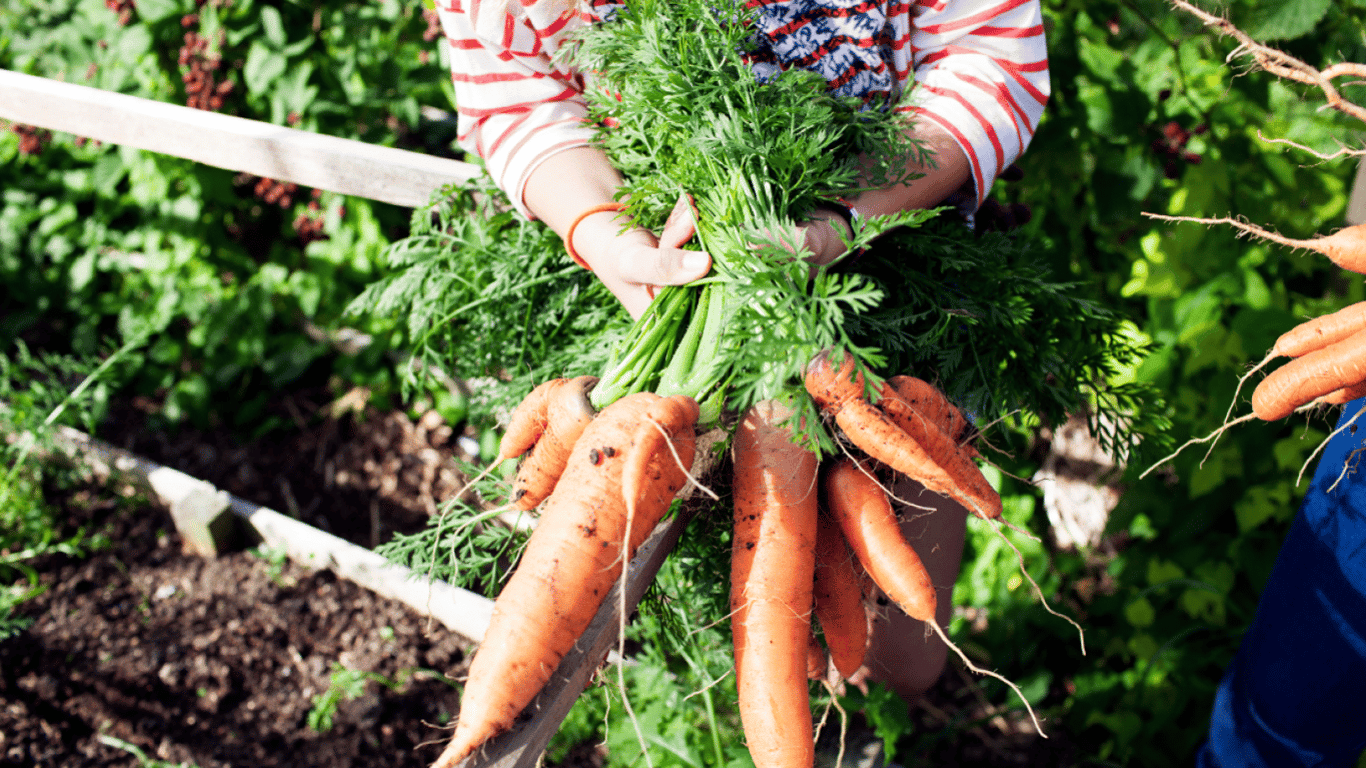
column 227, row 274
column 346, row 684
column 37, row 393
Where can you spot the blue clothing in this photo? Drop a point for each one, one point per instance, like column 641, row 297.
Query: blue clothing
column 1295, row 694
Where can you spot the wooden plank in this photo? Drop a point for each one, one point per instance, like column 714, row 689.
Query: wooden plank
column 459, row 610
column 522, row 746
column 1356, row 204
column 286, row 154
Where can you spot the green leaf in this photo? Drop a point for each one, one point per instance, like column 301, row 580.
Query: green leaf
column 1140, row 612
column 273, row 26
column 1284, row 19
column 152, row 11
column 263, row 67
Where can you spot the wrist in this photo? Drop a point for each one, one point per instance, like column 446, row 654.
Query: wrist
column 588, row 231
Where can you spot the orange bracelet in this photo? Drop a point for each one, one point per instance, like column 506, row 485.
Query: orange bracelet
column 569, row 236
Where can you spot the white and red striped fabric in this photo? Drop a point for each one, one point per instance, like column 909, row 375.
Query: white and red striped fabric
column 981, row 70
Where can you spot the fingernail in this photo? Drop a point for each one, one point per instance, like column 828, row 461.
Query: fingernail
column 696, row 261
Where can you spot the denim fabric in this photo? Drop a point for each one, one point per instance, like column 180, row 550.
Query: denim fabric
column 1295, row 694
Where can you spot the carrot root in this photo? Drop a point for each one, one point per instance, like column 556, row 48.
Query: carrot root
column 568, row 566
column 940, row 467
column 772, row 572
column 839, row 598
column 860, row 508
column 547, row 423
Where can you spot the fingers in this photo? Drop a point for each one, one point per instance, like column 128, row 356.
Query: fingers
column 681, row 224
column 662, row 266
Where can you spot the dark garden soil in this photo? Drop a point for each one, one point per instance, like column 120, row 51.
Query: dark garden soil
column 218, row 662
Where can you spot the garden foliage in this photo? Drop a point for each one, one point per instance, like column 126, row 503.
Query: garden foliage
column 1146, row 115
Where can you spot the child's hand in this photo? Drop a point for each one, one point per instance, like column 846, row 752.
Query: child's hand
column 635, row 263
column 824, row 235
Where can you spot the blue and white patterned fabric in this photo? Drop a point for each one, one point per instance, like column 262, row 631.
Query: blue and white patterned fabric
column 848, row 42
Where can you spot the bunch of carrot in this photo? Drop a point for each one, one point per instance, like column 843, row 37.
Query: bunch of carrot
column 764, row 343
column 1328, row 365
column 607, row 481
column 806, row 540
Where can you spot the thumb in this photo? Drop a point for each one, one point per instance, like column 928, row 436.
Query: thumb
column 665, row 266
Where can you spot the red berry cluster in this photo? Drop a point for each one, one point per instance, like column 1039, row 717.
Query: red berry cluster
column 31, row 139
column 276, row 192
column 1172, row 147
column 124, row 8
column 202, row 91
column 309, row 225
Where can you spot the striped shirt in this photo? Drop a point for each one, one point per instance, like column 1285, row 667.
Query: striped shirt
column 980, row 69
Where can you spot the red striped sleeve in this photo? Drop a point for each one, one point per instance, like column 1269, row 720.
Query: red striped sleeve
column 975, row 19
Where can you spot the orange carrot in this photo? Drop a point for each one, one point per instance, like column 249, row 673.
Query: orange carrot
column 816, row 659
column 1345, row 395
column 548, row 422
column 1321, row 331
column 572, row 558
column 859, row 505
column 939, row 466
column 839, row 598
column 772, row 570
column 1310, row 376
column 1345, row 247
column 925, row 399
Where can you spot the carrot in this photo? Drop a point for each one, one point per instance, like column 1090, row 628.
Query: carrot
column 939, row 465
column 1321, row 331
column 1345, row 395
column 1345, row 247
column 547, row 422
column 772, row 570
column 839, row 598
column 859, row 505
column 925, row 399
column 573, row 557
column 1338, row 365
column 816, row 659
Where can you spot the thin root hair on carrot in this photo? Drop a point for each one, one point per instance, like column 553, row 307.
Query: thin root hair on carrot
column 709, row 685
column 1081, row 633
column 890, row 495
column 678, row 460
column 989, row 673
column 844, row 721
column 1233, row 402
column 621, row 638
column 1195, row 440
column 1347, row 464
column 1020, row 529
column 1321, row 446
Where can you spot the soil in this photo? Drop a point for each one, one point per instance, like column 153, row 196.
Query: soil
column 219, row 662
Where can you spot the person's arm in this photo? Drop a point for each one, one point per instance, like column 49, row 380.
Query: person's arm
column 524, row 115
column 948, row 173
column 980, row 75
